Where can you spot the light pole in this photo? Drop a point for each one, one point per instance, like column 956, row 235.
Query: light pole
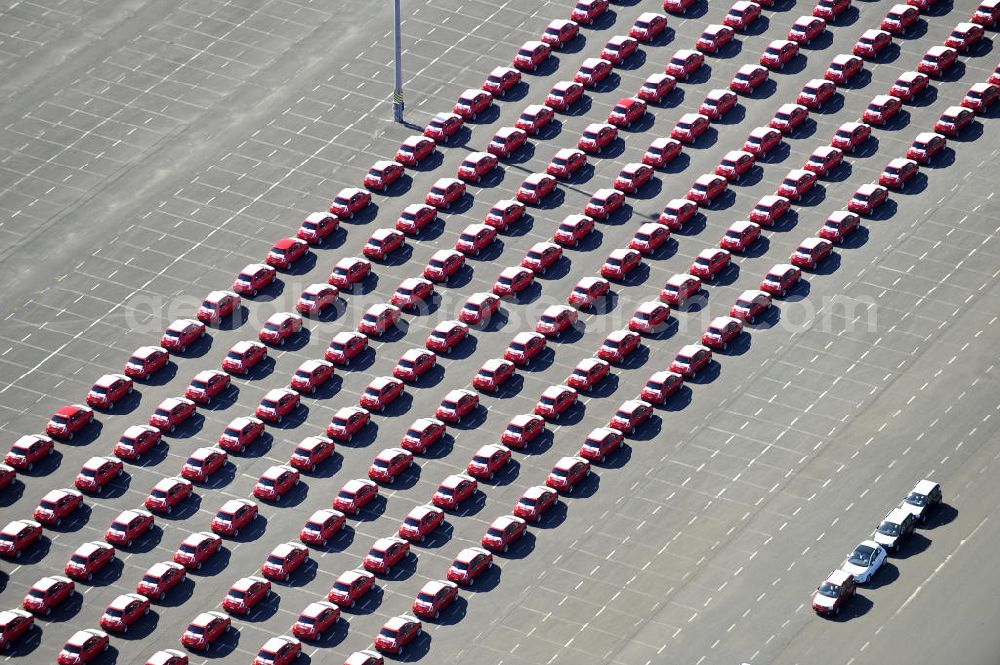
column 397, row 93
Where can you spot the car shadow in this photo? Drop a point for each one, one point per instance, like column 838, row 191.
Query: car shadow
column 884, row 576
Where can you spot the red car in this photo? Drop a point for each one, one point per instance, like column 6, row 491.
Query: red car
column 245, row 594
column 182, row 333
column 867, row 198
column 48, row 593
column 443, row 126
column 656, row 87
column 420, row 522
column 592, row 71
column 235, row 514
column 937, row 60
column 691, row 359
column 470, row 563
column 586, row 11
column 385, row 553
column 587, row 374
column 413, row 293
column 18, row 536
column 566, row 162
column 734, row 164
column 128, row 526
column 659, row 387
column 284, row 253
column 742, row 14
column 389, row 463
column 415, row 149
column 351, row 200
column 721, row 331
column 707, row 188
column 796, row 184
column 619, row 345
column 830, row 9
column 355, row 495
column 806, row 28
column 453, row 490
column 555, row 400
column 217, row 305
column 567, row 473
column 815, row 92
column 57, row 505
column 690, row 127
column 714, row 38
column 446, row 335
column 145, row 361
column 316, row 619
column 843, row 68
column 839, row 225
column 414, row 218
column 833, row 593
column 618, row 49
column 350, row 587
column 678, row 6
column 541, row 257
column 243, row 357
column 600, row 443
column 898, row 172
column 316, row 298
column 284, row 560
column 321, row 526
column 443, row 264
column 871, row 43
column 627, row 111
column 560, row 31
column 378, row 319
column 513, row 280
column 168, row 493
column 413, row 364
column 381, row 392
column 507, row 141
column 563, row 95
column 596, row 136
column 535, row 502
column 748, row 78
column 7, row 476
column 280, row 327
column 524, row 347
column 504, row 213
column 253, row 278
column 311, row 451
column 585, row 295
column 89, row 558
column 750, row 305
column 555, row 320
column 472, row 102
column 29, row 450
column 278, row 403
column 630, row 415
column 349, row 271
column 965, row 36
column 13, row 624
column 633, row 177
column 522, row 430
column 788, row 117
column 160, row 578
column 533, row 118
column 488, row 460
column 649, row 237
column 278, row 651
column 532, row 54
column 310, row 375
column 648, row 26
column 383, row 174
column 196, row 549
column 881, row 110
column 317, row 226
column 780, row 278
column 275, row 482
column 981, row 96
column 457, row 404
column 739, row 236
column 535, row 188
column 500, row 80
column 649, row 317
column 423, row 433
column 850, row 135
column 823, row 160
column 717, row 103
column 778, row 53
column 953, row 120
column 925, row 147
column 477, row 165
column 900, row 18
column 97, row 472
column 172, row 412
column 661, row 152
column 205, row 630
column 398, row 632
column 679, row 288
column 203, row 462
column 677, row 212
column 240, row 433
column 346, row 346
column 987, row 13
column 603, row 203
column 83, row 646
column 492, row 375
column 444, row 192
column 434, row 597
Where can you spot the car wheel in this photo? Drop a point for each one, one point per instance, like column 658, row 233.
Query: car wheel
column 448, row 350
column 105, row 647
column 170, row 509
column 99, row 490
column 312, row 389
column 48, row 611
column 725, row 345
column 70, row 437
column 350, row 437
column 694, row 375
column 58, row 521
column 236, row 533
column 172, row 428
column 282, row 342
column 17, row 554
column 90, row 576
column 31, row 466
column 197, row 566
column 124, row 630
column 278, row 421
column 245, row 371
column 111, row 406
column 145, row 611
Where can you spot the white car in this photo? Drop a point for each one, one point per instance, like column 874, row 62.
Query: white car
column 865, row 561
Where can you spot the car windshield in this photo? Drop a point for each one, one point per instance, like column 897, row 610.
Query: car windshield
column 343, row 494
column 71, row 648
column 887, row 528
column 112, row 612
column 236, row 593
column 915, row 499
column 524, row 52
column 192, row 461
column 829, row 590
column 698, row 187
column 266, row 482
column 78, row 558
column 380, row 464
column 861, row 556
column 590, row 135
column 481, row 459
column 276, row 560
column 387, row 633
column 682, row 360
column 445, row 491
column 87, row 473
column 59, row 420
column 781, row 115
column 702, row 261
column 47, row 505
column 836, row 66
column 150, row 579
column 438, row 334
column 528, row 186
column 274, row 250
column 234, row 355
column 187, row 549
column 460, row 565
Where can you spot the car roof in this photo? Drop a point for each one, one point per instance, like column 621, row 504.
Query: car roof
column 284, row 549
column 493, row 364
column 680, row 279
column 245, row 583
column 244, row 346
column 924, row 486
column 502, row 521
column 721, row 321
column 275, row 471
column 839, row 577
column 418, row 512
column 356, row 484
column 204, row 375
column 468, row 554
column 426, row 422
column 780, row 268
column 536, row 491
column 198, row 537
column 750, row 294
column 161, row 567
column 232, row 505
column 204, row 619
column 897, row 515
column 454, row 480
column 555, row 391
column 689, row 350
column 286, row 243
column 122, row 601
column 813, row 242
column 240, row 422
column 631, row 405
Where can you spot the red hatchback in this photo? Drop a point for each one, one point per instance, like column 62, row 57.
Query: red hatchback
column 925, row 147
column 47, row 594
column 434, row 597
column 350, row 587
column 627, row 111
column 386, row 553
column 780, row 278
column 124, row 611
column 476, row 166
column 563, row 95
column 240, row 433
column 788, row 117
column 168, row 493
column 506, row 141
column 839, row 225
column 243, row 357
column 88, row 559
column 321, row 526
column 96, row 473
column 196, row 549
column 630, row 415
column 413, row 364
column 739, row 236
column 500, row 80
column 898, row 172
column 750, row 305
column 684, row 63
column 172, row 412
column 721, row 331
column 284, row 560
column 57, row 505
column 453, row 490
column 128, row 526
column 567, row 473
column 311, row 451
column 469, row 564
column 796, row 184
column 253, row 278
column 871, row 43
column 493, row 374
column 285, row 253
column 596, row 136
column 536, row 187
column 160, row 578
column 868, row 198
column 535, row 502
column 815, row 92
column 522, row 430
column 717, row 104
column 235, row 514
column 806, row 28
column 18, row 536
column 660, row 386
column 444, row 192
column 679, row 288
column 691, row 359
column 443, row 126
column 415, row 149
column 748, row 78
column 443, row 264
column 275, row 482
column 937, row 60
column 513, row 280
column 457, row 404
column 601, row 443
column 554, row 401
column 843, row 68
column 316, row 619
column 487, row 461
column 245, row 594
column 346, row 346
column 423, row 433
column 389, row 463
column 619, row 345
column 182, row 333
column 317, row 226
column 707, row 188
column 504, row 213
column 534, row 118
column 850, row 135
column 690, row 127
column 953, row 120
column 203, row 462
column 420, row 522
column 109, row 389
column 447, row 335
column 677, row 212
column 649, row 317
column 778, row 53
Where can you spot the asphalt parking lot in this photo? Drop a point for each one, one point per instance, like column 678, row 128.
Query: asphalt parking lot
column 174, row 149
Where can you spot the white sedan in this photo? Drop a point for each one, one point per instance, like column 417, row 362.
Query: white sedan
column 865, row 561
